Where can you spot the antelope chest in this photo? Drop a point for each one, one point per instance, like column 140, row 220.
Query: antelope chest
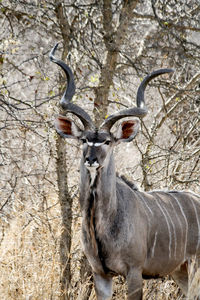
column 99, row 256
column 92, row 246
column 93, row 233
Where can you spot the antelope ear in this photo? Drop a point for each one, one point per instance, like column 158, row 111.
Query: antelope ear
column 67, row 128
column 127, row 130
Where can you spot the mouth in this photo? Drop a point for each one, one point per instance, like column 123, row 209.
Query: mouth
column 89, row 166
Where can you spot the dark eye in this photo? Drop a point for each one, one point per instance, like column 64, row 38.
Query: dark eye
column 83, row 141
column 107, row 142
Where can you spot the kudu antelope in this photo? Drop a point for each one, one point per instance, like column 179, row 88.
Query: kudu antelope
column 125, row 231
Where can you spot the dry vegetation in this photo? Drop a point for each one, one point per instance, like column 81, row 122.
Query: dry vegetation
column 29, row 262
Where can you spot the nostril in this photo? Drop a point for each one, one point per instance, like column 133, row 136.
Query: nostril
column 90, row 160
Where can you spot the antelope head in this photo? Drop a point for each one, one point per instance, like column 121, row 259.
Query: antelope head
column 98, row 142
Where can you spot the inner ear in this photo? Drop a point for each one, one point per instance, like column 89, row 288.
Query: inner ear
column 63, row 124
column 67, row 128
column 127, row 130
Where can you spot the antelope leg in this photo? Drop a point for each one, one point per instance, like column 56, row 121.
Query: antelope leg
column 134, row 281
column 103, row 287
column 180, row 276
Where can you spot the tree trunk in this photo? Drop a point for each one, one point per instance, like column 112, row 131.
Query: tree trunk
column 64, row 196
column 113, row 39
column 66, row 215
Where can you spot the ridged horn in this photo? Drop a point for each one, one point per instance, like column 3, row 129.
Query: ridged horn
column 141, row 110
column 65, row 101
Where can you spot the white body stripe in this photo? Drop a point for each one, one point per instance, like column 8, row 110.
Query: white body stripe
column 168, row 226
column 186, row 224
column 145, row 203
column 154, row 244
column 174, row 230
column 198, row 224
column 179, row 221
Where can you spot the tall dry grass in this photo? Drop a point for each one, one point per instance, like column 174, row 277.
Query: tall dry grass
column 29, row 254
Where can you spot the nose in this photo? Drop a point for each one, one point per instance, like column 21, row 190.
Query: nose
column 91, row 158
column 91, row 161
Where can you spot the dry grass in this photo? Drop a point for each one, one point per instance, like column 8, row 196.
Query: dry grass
column 30, row 266
column 194, row 280
column 29, row 261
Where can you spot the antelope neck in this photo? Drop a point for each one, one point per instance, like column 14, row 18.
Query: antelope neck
column 103, row 183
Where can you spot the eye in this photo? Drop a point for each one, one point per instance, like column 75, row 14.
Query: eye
column 107, row 142
column 83, row 141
